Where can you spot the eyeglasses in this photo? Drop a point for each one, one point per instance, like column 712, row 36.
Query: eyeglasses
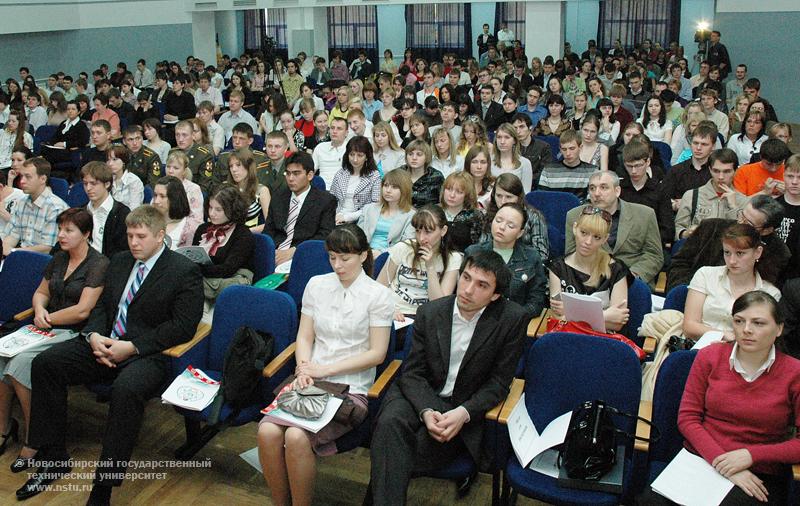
column 741, row 218
column 590, row 211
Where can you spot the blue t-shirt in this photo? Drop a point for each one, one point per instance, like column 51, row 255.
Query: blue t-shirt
column 380, row 238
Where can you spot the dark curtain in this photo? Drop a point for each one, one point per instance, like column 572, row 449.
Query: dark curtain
column 633, row 21
column 512, row 14
column 435, row 29
column 352, row 28
column 276, row 28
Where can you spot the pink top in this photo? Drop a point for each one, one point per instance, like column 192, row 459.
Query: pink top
column 721, row 412
column 112, row 118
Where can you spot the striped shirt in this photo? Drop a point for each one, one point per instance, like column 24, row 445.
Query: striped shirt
column 33, row 222
column 559, row 177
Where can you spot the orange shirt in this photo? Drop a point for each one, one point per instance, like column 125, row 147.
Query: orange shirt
column 750, row 178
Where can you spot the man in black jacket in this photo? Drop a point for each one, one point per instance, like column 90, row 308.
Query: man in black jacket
column 464, row 353
column 489, row 111
column 152, row 300
column 109, row 234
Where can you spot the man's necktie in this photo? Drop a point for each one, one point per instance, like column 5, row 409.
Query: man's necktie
column 120, row 325
column 294, row 211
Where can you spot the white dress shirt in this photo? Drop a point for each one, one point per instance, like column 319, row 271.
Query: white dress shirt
column 737, row 366
column 328, row 160
column 99, row 217
column 460, row 338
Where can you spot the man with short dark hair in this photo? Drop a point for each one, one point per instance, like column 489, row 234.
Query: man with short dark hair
column 201, row 158
column 485, row 39
column 143, row 77
column 571, row 174
column 100, row 133
column 144, row 163
column 752, row 88
column 716, row 199
column 487, row 109
column 109, row 233
column 361, row 67
column 524, row 78
column 206, row 92
column 328, row 155
column 766, row 175
column 537, row 152
column 36, row 114
column 179, row 104
column 33, row 220
column 691, row 173
column 448, row 115
column 718, row 55
column 236, row 114
column 638, row 187
column 532, row 108
column 299, row 212
column 735, row 87
column 124, row 110
column 637, row 96
column 465, row 348
column 242, row 138
column 152, row 300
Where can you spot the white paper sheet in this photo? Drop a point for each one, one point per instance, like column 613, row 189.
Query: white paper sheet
column 191, row 391
column 656, row 303
column 23, row 339
column 405, row 323
column 710, row 337
column 251, row 457
column 546, row 463
column 284, row 268
column 691, row 481
column 584, row 308
column 526, row 440
column 311, row 425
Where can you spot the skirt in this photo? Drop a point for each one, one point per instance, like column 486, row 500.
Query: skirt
column 323, row 443
column 19, row 366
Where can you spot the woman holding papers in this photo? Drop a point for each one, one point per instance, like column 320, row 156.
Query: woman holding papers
column 343, row 336
column 528, row 283
column 72, row 284
column 714, row 288
column 228, row 242
column 741, row 404
column 590, row 270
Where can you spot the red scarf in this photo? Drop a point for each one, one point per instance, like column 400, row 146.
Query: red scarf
column 215, row 235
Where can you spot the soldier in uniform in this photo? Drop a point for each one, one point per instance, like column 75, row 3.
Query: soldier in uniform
column 242, row 137
column 145, row 162
column 201, row 158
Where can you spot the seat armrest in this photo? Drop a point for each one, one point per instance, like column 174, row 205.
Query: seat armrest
column 535, row 323
column 543, row 325
column 661, row 283
column 796, row 472
column 384, row 380
column 177, row 351
column 643, row 429
column 649, row 345
column 278, row 362
column 24, row 315
column 514, row 394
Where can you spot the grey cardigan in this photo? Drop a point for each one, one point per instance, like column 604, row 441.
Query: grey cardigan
column 400, row 230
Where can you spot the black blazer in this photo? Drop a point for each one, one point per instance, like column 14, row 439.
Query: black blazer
column 316, row 219
column 493, row 116
column 486, row 370
column 115, row 231
column 76, row 137
column 236, row 254
column 165, row 310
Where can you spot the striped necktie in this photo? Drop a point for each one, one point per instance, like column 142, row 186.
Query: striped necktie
column 122, row 320
column 294, row 211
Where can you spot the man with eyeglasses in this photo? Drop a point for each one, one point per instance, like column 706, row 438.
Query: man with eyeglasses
column 715, row 199
column 766, row 175
column 704, row 245
column 634, row 237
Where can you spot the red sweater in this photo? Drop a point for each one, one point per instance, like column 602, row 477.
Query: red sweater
column 721, row 412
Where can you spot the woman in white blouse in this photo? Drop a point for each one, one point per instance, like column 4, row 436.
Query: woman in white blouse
column 713, row 289
column 343, row 336
column 748, row 142
column 507, row 157
column 127, row 188
column 654, row 120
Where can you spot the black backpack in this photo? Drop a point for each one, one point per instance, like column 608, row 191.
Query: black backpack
column 249, row 352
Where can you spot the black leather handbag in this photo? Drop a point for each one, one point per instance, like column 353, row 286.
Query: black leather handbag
column 590, row 447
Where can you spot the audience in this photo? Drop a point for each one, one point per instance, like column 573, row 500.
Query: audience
column 165, row 314
column 72, row 284
column 71, row 135
column 228, row 242
column 713, row 289
column 388, row 221
column 634, row 236
column 345, row 352
column 589, row 269
column 297, row 200
column 357, row 183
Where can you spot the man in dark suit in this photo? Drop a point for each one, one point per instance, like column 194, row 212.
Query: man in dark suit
column 485, row 40
column 153, row 299
column 489, row 111
column 299, row 212
column 464, row 353
column 71, row 135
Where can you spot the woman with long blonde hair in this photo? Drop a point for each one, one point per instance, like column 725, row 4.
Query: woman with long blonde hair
column 473, row 133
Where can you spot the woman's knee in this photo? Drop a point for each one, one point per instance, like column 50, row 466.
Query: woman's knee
column 297, row 440
column 270, row 434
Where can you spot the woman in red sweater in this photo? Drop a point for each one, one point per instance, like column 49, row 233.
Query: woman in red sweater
column 740, row 402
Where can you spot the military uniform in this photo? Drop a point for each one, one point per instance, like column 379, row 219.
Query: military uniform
column 272, row 179
column 221, row 168
column 146, row 164
column 201, row 163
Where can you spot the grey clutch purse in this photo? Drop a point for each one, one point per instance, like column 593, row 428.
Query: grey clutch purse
column 308, row 403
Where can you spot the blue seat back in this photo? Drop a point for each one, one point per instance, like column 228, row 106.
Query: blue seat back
column 263, row 256
column 76, row 197
column 554, row 206
column 664, row 152
column 640, row 302
column 309, row 260
column 563, row 370
column 555, row 145
column 60, row 187
column 676, row 298
column 556, row 240
column 270, row 311
column 379, row 263
column 676, row 246
column 43, row 134
column 318, row 183
column 667, row 395
column 148, row 194
column 258, row 142
column 22, row 272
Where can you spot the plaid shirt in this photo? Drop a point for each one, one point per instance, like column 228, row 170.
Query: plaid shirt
column 33, row 222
